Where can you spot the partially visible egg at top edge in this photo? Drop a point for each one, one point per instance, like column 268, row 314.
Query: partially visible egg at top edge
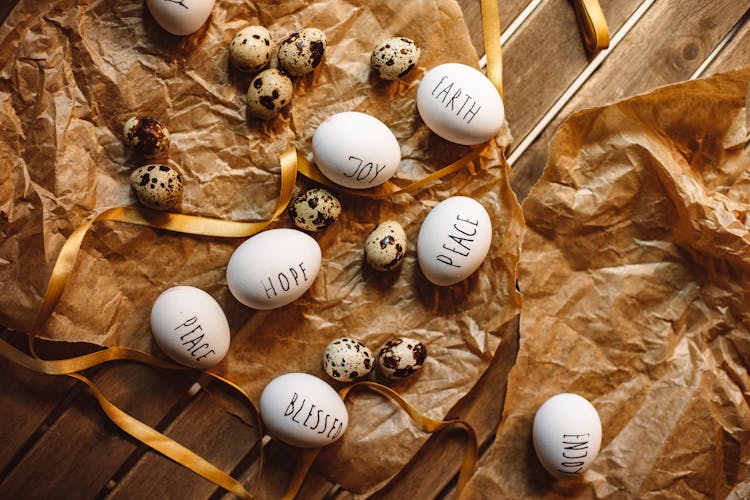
column 460, row 104
column 180, row 17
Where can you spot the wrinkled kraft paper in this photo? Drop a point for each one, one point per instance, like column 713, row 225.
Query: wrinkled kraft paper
column 71, row 73
column 635, row 275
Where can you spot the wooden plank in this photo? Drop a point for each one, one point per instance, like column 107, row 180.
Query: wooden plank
column 473, row 16
column 736, row 54
column 82, row 449
column 208, row 426
column 646, row 58
column 5, row 8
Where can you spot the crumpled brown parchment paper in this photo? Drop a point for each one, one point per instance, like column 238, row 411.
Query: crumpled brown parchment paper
column 71, row 74
column 635, row 274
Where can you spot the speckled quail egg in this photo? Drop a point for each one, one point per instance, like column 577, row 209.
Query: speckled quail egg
column 346, row 359
column 157, row 186
column 147, row 136
column 394, row 58
column 314, row 210
column 301, row 52
column 268, row 93
column 385, row 246
column 401, row 357
column 251, row 49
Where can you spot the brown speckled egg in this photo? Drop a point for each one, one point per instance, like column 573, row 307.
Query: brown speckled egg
column 251, row 49
column 401, row 357
column 314, row 210
column 157, row 186
column 269, row 92
column 385, row 246
column 346, row 359
column 301, row 52
column 147, row 136
column 394, row 58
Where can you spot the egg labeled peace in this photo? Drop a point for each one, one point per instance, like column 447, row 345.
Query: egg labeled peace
column 303, row 410
column 567, row 435
column 180, row 17
column 356, row 150
column 190, row 327
column 273, row 268
column 454, row 240
column 460, row 104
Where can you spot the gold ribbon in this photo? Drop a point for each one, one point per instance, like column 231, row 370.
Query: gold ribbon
column 425, row 423
column 493, row 50
column 593, row 25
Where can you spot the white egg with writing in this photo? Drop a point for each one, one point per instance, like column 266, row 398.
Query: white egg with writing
column 460, row 104
column 180, row 17
column 355, row 150
column 567, row 434
column 454, row 240
column 303, row 410
column 190, row 326
column 273, row 268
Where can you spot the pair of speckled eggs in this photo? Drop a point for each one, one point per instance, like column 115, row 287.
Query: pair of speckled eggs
column 347, row 359
column 271, row 90
column 156, row 185
column 316, row 209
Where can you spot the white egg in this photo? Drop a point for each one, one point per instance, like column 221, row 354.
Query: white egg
column 454, row 240
column 273, row 268
column 356, row 150
column 180, row 17
column 190, row 326
column 303, row 410
column 567, row 434
column 460, row 104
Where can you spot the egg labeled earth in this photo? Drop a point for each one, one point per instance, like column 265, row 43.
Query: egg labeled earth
column 454, row 240
column 303, row 410
column 567, row 434
column 355, row 150
column 190, row 327
column 346, row 359
column 460, row 104
column 273, row 268
column 180, row 17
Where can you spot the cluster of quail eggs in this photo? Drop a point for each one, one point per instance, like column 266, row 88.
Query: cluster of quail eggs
column 347, row 359
column 271, row 89
column 155, row 184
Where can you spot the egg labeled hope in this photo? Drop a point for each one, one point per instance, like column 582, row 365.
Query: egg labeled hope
column 273, row 268
column 460, row 104
column 190, row 326
column 567, row 434
column 355, row 150
column 303, row 410
column 180, row 17
column 454, row 240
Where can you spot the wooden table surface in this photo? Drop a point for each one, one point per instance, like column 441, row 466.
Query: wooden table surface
column 56, row 443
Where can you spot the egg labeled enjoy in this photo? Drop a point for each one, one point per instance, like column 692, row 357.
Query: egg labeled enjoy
column 460, row 104
column 190, row 326
column 567, row 434
column 180, row 17
column 454, row 240
column 303, row 410
column 273, row 268
column 355, row 150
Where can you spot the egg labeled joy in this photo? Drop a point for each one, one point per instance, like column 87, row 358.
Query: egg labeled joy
column 460, row 104
column 454, row 240
column 303, row 410
column 356, row 150
column 273, row 268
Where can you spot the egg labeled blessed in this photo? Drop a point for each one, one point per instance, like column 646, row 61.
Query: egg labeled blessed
column 356, row 150
column 460, row 104
column 454, row 240
column 190, row 326
column 567, row 434
column 303, row 410
column 180, row 17
column 273, row 268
